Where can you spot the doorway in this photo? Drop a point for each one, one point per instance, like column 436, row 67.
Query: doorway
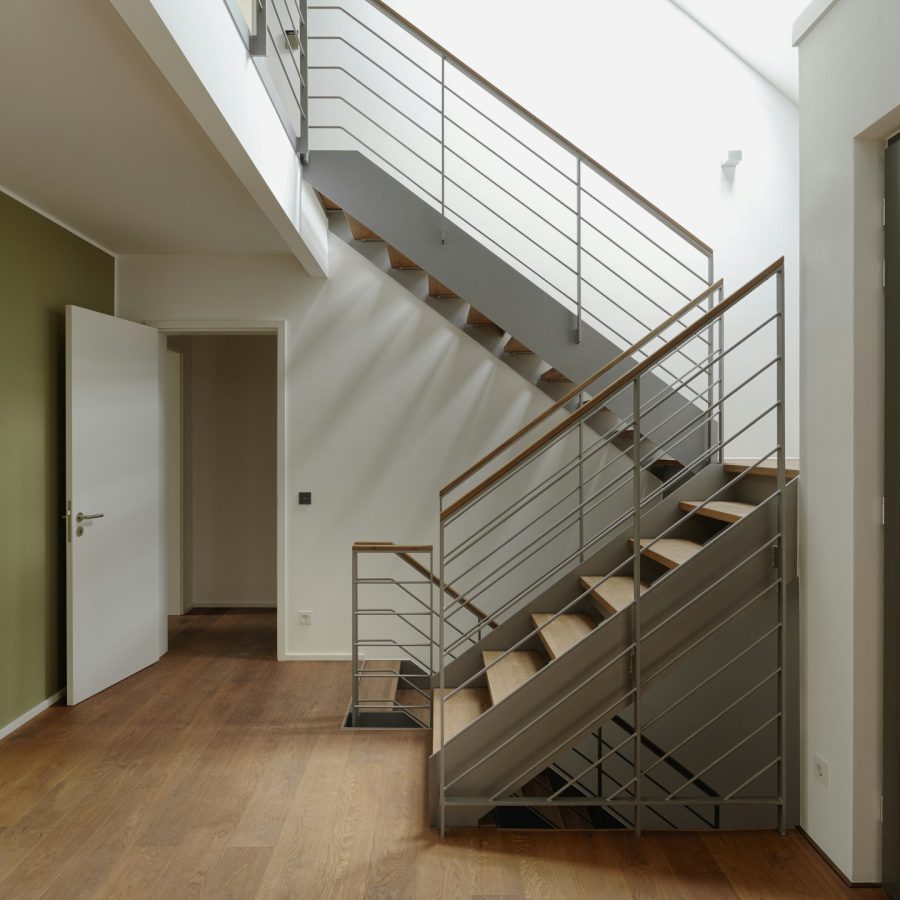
column 222, row 462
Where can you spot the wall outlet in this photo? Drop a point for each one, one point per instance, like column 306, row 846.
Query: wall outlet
column 304, row 617
column 821, row 772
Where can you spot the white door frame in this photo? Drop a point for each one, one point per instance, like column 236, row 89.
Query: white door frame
column 256, row 327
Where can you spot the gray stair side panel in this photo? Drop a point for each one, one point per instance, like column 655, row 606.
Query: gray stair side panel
column 535, row 743
column 493, row 286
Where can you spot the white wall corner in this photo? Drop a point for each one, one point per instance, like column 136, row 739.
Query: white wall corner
column 200, row 52
column 810, row 17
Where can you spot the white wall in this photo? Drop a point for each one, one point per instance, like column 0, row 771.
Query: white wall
column 850, row 91
column 644, row 90
column 386, row 401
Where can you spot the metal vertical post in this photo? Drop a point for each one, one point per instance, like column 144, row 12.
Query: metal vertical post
column 578, row 249
column 258, row 31
column 354, row 690
column 431, row 624
column 782, row 559
column 711, row 369
column 636, row 616
column 721, row 377
column 581, row 481
column 303, row 141
column 443, row 149
column 442, row 762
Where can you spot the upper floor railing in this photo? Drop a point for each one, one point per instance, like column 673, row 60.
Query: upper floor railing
column 381, row 86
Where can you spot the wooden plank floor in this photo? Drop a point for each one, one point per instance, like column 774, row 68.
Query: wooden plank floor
column 222, row 773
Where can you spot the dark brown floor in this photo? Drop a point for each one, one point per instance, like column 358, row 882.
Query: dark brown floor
column 221, row 773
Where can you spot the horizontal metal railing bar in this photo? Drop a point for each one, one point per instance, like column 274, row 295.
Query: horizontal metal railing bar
column 603, row 801
column 709, row 678
column 639, row 369
column 379, row 97
column 287, row 77
column 291, row 55
column 668, row 485
column 544, row 128
column 595, row 764
column 724, row 712
column 753, row 777
column 624, row 356
column 372, row 31
column 508, row 740
column 388, row 612
column 381, row 68
column 727, row 753
column 510, row 194
column 373, row 151
column 520, row 141
column 451, row 121
column 387, row 642
column 339, row 98
column 384, row 130
column 631, row 225
column 515, row 228
column 637, row 259
column 386, row 580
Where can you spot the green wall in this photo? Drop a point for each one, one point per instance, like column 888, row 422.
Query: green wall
column 42, row 269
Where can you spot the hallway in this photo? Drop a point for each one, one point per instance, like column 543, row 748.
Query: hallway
column 221, row 773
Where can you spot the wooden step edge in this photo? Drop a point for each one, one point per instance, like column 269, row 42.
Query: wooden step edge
column 511, row 673
column 554, row 376
column 564, row 632
column 614, row 595
column 669, row 552
column 359, row 231
column 764, row 471
column 460, row 711
column 400, row 261
column 515, row 347
column 328, row 205
column 440, row 290
column 721, row 510
column 379, row 692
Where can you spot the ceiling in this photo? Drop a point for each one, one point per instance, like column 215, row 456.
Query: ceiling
column 758, row 31
column 94, row 136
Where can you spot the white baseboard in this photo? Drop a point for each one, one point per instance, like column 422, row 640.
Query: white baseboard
column 28, row 716
column 317, row 657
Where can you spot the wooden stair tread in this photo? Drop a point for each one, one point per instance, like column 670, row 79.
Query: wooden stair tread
column 614, row 594
column 766, row 470
column 555, row 376
column 478, row 318
column 670, row 552
column 438, row 289
column 379, row 692
column 515, row 346
column 514, row 670
column 359, row 231
column 462, row 708
column 720, row 510
column 400, row 260
column 564, row 632
column 328, row 205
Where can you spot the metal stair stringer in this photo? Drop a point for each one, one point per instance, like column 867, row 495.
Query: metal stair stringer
column 513, row 741
column 483, row 279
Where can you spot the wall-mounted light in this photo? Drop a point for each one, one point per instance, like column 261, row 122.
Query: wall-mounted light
column 733, row 158
column 293, row 39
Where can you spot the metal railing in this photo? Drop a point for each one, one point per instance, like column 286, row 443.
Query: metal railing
column 275, row 33
column 538, row 525
column 495, row 170
column 406, row 610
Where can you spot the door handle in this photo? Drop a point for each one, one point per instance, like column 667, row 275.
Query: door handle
column 82, row 517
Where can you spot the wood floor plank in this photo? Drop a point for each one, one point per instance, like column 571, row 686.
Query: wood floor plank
column 222, row 773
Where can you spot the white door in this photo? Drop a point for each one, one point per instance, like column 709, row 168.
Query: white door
column 114, row 485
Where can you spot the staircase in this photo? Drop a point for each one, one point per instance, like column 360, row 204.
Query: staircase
column 601, row 636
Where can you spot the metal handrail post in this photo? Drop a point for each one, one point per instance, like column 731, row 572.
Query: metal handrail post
column 782, row 557
column 431, row 629
column 711, row 436
column 303, row 28
column 581, row 483
column 578, row 249
column 721, row 379
column 442, row 764
column 443, row 148
column 354, row 691
column 636, row 616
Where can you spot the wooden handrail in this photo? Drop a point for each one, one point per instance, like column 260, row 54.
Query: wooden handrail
column 575, row 391
column 550, row 132
column 593, row 404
